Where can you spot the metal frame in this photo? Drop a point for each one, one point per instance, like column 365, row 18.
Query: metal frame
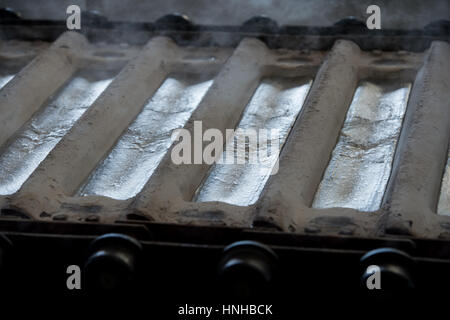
column 188, row 256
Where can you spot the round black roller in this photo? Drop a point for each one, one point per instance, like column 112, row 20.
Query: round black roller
column 246, row 269
column 395, row 267
column 112, row 262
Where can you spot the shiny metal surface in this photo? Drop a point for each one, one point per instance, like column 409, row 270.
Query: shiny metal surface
column 4, row 79
column 275, row 105
column 360, row 165
column 444, row 198
column 19, row 159
column 138, row 152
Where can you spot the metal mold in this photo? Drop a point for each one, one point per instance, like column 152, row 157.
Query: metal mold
column 115, row 157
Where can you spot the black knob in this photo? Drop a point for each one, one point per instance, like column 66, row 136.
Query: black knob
column 260, row 24
column 8, row 14
column 395, row 268
column 175, row 21
column 246, row 269
column 112, row 262
column 351, row 25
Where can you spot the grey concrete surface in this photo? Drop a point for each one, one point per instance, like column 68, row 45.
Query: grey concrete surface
column 406, row 14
